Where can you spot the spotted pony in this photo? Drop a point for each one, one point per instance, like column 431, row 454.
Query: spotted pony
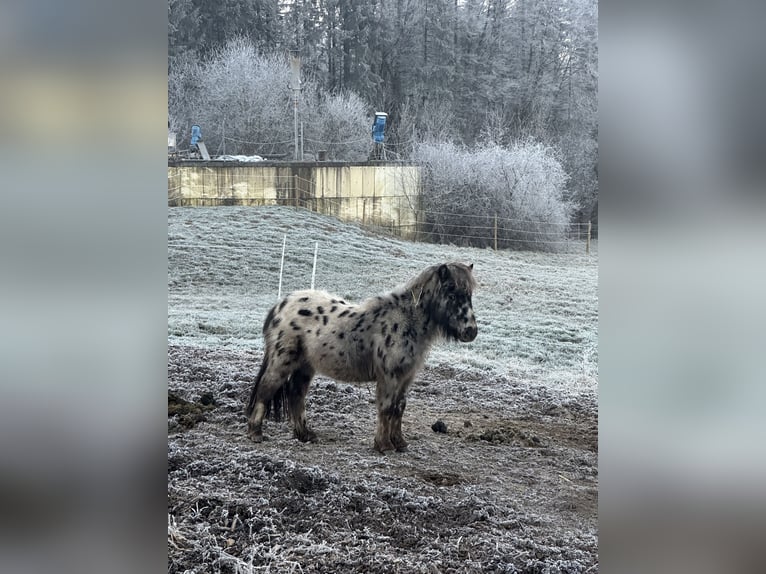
column 385, row 339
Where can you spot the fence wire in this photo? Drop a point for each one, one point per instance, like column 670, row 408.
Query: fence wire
column 395, row 215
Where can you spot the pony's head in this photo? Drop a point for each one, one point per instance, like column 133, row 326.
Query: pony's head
column 450, row 306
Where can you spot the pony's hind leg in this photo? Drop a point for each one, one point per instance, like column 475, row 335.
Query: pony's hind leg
column 296, row 401
column 396, row 425
column 255, row 422
column 268, row 384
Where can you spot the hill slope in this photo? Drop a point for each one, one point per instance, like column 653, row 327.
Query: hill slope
column 537, row 313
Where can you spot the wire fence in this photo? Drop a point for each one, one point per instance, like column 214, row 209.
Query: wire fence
column 399, row 215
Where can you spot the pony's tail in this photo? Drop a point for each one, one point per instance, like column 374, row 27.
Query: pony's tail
column 276, row 406
column 254, row 393
column 251, row 401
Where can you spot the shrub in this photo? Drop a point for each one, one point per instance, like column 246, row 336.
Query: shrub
column 464, row 189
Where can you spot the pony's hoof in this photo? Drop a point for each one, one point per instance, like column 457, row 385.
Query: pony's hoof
column 402, row 448
column 382, row 447
column 308, row 436
column 255, row 436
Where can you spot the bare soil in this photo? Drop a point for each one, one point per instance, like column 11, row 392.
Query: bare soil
column 507, row 485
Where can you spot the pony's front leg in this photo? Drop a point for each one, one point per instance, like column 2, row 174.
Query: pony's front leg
column 385, row 402
column 397, row 412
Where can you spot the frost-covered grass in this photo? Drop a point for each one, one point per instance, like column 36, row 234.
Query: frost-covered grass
column 537, row 312
column 511, row 486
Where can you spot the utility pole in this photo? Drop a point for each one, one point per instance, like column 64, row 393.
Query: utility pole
column 295, row 86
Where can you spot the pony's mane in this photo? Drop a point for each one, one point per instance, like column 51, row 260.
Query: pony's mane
column 460, row 273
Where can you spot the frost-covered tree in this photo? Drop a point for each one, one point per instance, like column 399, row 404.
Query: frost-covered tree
column 468, row 71
column 243, row 102
column 464, row 189
column 341, row 127
column 240, row 98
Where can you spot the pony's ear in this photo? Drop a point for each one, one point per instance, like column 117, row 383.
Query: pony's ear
column 444, row 272
column 470, row 266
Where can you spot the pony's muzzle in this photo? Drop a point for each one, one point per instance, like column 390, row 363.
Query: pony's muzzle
column 469, row 334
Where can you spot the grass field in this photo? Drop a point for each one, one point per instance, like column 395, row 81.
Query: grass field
column 510, row 487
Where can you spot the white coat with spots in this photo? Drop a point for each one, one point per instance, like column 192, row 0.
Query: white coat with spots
column 385, row 339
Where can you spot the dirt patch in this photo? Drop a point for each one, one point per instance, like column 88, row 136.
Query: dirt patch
column 507, row 435
column 508, row 488
column 187, row 413
column 441, row 478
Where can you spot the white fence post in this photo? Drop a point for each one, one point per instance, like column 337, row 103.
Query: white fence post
column 314, row 269
column 282, row 266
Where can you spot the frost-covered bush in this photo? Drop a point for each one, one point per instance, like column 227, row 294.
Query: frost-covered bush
column 243, row 102
column 341, row 126
column 464, row 189
column 238, row 97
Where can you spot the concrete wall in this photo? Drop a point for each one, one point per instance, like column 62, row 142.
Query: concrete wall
column 376, row 193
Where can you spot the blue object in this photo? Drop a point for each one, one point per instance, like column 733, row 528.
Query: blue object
column 196, row 134
column 379, row 127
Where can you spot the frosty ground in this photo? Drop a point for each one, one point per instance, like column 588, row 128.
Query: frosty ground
column 512, row 484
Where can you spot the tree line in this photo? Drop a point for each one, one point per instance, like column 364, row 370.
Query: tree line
column 477, row 74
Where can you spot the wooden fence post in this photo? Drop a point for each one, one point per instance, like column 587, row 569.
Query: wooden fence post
column 495, row 231
column 587, row 241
